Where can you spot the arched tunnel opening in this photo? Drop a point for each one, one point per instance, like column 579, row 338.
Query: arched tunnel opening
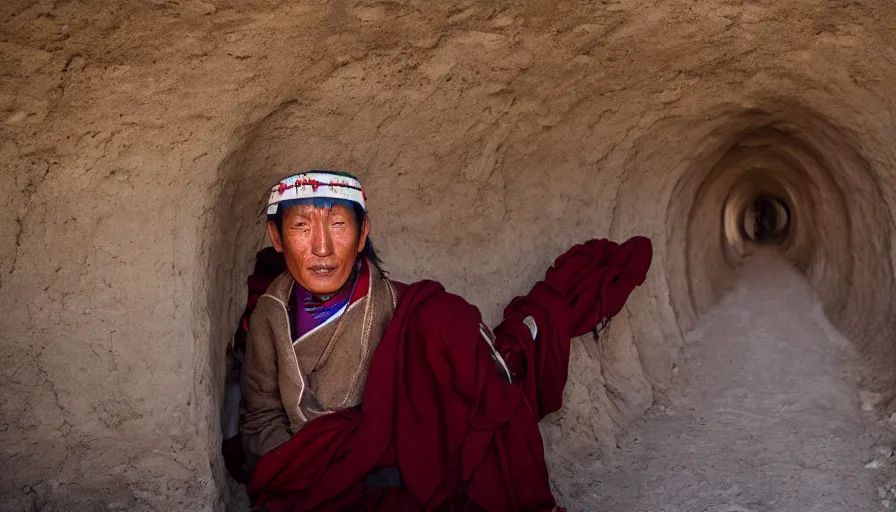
column 791, row 180
column 776, row 236
column 766, row 220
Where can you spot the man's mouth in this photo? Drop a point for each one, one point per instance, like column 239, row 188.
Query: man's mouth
column 322, row 270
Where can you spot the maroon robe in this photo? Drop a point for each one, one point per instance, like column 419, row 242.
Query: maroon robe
column 435, row 406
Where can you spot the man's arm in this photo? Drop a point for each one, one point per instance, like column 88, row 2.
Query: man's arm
column 264, row 424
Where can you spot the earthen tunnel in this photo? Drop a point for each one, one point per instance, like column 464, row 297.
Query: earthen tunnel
column 139, row 140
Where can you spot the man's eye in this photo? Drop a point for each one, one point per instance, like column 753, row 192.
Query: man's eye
column 339, row 223
column 301, row 224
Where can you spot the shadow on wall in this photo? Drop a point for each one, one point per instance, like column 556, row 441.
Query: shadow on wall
column 237, row 234
column 838, row 228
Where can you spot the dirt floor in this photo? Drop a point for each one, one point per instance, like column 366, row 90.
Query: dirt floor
column 765, row 415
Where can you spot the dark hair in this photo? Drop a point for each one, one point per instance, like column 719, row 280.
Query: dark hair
column 369, row 252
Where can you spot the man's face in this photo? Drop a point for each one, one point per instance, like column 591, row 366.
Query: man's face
column 320, row 245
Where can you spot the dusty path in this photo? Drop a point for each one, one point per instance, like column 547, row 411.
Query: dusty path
column 764, row 416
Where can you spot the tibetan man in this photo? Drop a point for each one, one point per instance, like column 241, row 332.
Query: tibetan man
column 362, row 393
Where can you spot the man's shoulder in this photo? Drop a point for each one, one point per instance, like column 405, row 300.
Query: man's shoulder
column 400, row 289
column 429, row 298
column 280, row 288
column 274, row 302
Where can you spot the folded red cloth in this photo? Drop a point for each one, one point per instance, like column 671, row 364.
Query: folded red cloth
column 597, row 277
column 594, row 280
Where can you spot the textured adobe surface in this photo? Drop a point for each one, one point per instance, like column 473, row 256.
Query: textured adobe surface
column 139, row 137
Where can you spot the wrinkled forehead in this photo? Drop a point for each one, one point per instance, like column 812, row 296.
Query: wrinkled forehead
column 318, row 206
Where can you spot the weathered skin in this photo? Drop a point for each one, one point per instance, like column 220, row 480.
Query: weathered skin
column 320, row 245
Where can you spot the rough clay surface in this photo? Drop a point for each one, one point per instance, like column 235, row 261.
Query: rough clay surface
column 765, row 415
column 138, row 139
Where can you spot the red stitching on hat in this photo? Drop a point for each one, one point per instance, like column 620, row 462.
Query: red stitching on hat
column 315, row 184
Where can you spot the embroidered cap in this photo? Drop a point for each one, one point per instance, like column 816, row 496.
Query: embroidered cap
column 317, row 185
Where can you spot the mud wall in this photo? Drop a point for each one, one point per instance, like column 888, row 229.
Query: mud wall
column 139, row 139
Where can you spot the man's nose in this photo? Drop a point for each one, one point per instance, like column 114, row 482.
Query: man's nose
column 321, row 245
